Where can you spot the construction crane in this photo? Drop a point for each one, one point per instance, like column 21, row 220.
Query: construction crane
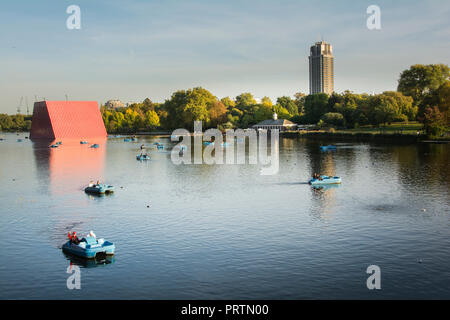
column 20, row 104
column 28, row 109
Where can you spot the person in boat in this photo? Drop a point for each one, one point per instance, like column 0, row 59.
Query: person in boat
column 98, row 182
column 91, row 184
column 315, row 175
column 142, row 147
column 91, row 234
column 74, row 239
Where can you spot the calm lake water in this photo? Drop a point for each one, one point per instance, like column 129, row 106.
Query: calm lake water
column 225, row 231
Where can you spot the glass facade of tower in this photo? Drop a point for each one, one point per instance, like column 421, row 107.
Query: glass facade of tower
column 321, row 68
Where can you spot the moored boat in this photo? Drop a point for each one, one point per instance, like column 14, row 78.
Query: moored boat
column 84, row 142
column 95, row 145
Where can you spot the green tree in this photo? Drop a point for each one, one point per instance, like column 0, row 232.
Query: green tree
column 443, row 100
column 228, row 103
column 385, row 109
column 316, row 105
column 263, row 112
column 265, row 101
column 6, row 122
column 299, row 99
column 419, row 82
column 334, row 119
column 185, row 107
column 288, row 104
column 245, row 100
column 282, row 112
column 404, row 103
column 151, row 120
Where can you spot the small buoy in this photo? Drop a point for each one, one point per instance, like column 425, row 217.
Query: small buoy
column 424, row 210
column 420, row 261
column 148, row 206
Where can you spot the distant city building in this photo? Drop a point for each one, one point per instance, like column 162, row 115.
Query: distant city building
column 321, row 68
column 114, row 104
column 275, row 123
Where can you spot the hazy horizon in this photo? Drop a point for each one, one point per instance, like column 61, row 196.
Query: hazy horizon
column 153, row 48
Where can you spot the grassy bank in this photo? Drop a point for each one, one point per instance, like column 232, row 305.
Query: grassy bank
column 407, row 132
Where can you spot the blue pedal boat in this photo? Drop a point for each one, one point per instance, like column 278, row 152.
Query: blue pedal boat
column 99, row 189
column 84, row 142
column 95, row 146
column 89, row 247
column 324, row 180
column 59, row 143
column 142, row 157
column 330, row 147
column 54, row 146
column 160, row 146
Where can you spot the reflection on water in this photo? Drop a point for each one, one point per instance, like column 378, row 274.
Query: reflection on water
column 71, row 161
column 100, row 260
column 226, row 231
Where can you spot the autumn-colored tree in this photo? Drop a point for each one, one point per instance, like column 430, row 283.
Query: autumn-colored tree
column 434, row 122
column 217, row 113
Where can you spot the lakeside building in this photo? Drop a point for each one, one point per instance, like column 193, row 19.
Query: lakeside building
column 67, row 119
column 321, row 68
column 275, row 123
column 114, row 104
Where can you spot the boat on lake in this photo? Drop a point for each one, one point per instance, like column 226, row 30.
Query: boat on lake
column 324, row 180
column 89, row 247
column 84, row 142
column 141, row 157
column 95, row 146
column 99, row 189
column 54, row 146
column 329, row 147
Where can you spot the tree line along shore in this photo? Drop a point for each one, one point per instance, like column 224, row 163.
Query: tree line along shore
column 419, row 106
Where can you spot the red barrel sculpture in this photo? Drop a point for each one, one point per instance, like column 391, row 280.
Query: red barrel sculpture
column 67, row 119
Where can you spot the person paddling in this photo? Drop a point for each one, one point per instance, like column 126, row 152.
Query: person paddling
column 75, row 239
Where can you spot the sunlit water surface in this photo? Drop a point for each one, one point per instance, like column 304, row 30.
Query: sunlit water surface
column 225, row 231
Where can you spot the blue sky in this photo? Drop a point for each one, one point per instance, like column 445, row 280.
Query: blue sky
column 135, row 49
